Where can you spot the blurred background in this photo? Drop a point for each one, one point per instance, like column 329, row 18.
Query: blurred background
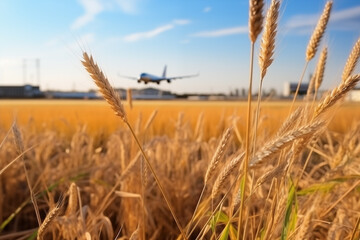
column 41, row 43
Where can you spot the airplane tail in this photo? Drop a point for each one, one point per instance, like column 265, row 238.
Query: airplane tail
column 164, row 72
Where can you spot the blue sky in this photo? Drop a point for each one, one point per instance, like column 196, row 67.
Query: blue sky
column 127, row 37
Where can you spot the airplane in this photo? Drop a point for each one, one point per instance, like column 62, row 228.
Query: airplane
column 146, row 77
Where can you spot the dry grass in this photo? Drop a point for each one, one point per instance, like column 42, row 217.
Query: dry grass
column 300, row 182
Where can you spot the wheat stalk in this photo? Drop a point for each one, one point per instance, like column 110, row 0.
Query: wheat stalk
column 129, row 97
column 337, row 94
column 351, row 61
column 108, row 92
column 255, row 27
column 20, row 147
column 318, row 32
column 268, row 38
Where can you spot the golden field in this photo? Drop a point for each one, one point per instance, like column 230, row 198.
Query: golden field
column 66, row 115
column 83, row 157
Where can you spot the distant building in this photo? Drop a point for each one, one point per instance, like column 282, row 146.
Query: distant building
column 290, row 89
column 354, row 95
column 147, row 93
column 72, row 95
column 26, row 91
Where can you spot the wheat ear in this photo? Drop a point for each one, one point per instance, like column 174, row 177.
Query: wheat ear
column 313, row 44
column 351, row 61
column 310, row 89
column 305, row 227
column 273, row 147
column 47, row 221
column 290, row 121
column 108, row 92
column 73, row 200
column 225, row 173
column 318, row 32
column 255, row 18
column 337, row 94
column 268, row 39
column 219, row 153
column 320, row 69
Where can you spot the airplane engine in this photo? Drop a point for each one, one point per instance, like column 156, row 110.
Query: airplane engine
column 168, row 81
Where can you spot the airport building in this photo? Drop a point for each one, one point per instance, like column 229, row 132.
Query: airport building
column 147, row 93
column 354, row 95
column 25, row 91
column 290, row 89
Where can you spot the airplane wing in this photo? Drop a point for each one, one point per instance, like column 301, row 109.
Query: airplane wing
column 180, row 77
column 128, row 77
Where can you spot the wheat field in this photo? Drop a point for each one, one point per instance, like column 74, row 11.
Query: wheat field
column 187, row 170
column 88, row 149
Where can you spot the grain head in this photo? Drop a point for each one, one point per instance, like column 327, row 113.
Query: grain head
column 320, row 69
column 108, row 92
column 337, row 94
column 255, row 18
column 219, row 153
column 268, row 39
column 351, row 61
column 318, row 32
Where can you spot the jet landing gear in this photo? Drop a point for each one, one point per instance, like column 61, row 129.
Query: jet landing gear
column 168, row 81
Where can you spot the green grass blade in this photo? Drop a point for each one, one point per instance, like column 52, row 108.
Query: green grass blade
column 288, row 212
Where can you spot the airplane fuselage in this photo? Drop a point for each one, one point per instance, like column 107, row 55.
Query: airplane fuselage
column 145, row 77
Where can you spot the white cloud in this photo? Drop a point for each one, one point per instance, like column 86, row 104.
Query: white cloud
column 154, row 32
column 207, row 9
column 129, row 6
column 346, row 14
column 149, row 34
column 92, row 8
column 222, row 32
column 310, row 20
column 181, row 21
